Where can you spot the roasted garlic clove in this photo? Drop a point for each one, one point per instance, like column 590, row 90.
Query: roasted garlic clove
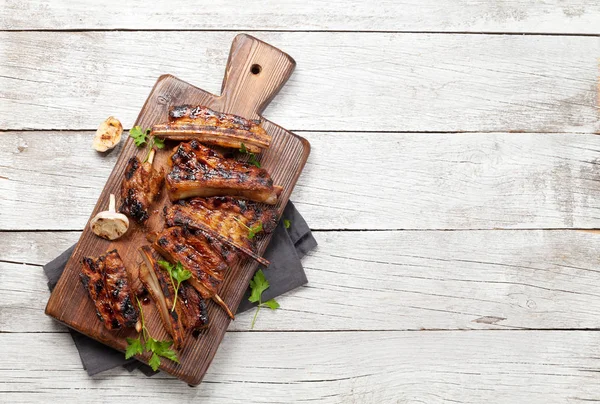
column 110, row 224
column 108, row 134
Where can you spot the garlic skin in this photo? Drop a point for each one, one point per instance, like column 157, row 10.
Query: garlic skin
column 108, row 134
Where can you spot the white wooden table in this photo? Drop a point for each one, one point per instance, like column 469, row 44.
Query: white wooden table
column 453, row 187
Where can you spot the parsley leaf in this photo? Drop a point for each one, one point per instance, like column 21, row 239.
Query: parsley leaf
column 134, row 347
column 139, row 136
column 252, row 157
column 164, row 351
column 272, row 304
column 159, row 142
column 150, row 344
column 158, row 349
column 178, row 274
column 258, row 285
column 253, row 160
column 257, row 228
column 252, row 231
column 167, row 266
column 286, row 223
column 181, row 274
column 154, row 361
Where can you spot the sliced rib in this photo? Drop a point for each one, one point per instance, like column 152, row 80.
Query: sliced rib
column 196, row 254
column 193, row 307
column 106, row 281
column 227, row 219
column 140, row 187
column 210, row 127
column 197, row 170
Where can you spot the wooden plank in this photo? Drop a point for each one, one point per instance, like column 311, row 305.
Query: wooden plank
column 431, row 280
column 339, row 367
column 25, row 294
column 344, row 81
column 556, row 16
column 351, row 181
column 34, row 248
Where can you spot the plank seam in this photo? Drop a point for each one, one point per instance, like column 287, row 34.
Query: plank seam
column 316, row 230
column 416, row 132
column 432, row 330
column 490, row 33
column 19, row 263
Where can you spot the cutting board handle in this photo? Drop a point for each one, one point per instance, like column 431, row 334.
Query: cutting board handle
column 255, row 73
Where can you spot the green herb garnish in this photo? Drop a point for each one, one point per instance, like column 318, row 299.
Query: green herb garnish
column 141, row 136
column 158, row 142
column 178, row 274
column 258, row 285
column 145, row 343
column 252, row 231
column 257, row 228
column 251, row 156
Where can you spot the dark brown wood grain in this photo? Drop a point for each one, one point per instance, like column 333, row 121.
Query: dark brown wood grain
column 255, row 73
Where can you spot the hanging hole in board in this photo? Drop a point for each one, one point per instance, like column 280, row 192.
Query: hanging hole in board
column 255, row 69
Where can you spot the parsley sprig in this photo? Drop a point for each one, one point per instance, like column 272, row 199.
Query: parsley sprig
column 145, row 343
column 252, row 231
column 178, row 274
column 258, row 285
column 252, row 157
column 141, row 136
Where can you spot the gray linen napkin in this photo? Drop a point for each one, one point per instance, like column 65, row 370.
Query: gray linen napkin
column 285, row 273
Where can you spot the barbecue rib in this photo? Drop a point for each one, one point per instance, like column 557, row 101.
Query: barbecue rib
column 141, row 184
column 106, row 281
column 228, row 219
column 196, row 254
column 200, row 171
column 188, row 122
column 193, row 307
column 159, row 285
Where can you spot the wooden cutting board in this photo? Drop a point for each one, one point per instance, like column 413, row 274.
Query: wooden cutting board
column 255, row 73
